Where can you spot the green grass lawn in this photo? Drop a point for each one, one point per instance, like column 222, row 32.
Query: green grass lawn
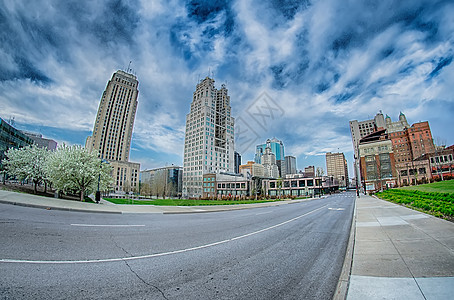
column 183, row 202
column 446, row 186
column 435, row 198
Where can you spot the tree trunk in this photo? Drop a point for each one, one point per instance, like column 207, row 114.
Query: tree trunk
column 45, row 186
column 82, row 194
column 35, row 182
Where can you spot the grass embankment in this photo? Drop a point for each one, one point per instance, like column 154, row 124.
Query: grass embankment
column 184, row 202
column 435, row 198
column 437, row 187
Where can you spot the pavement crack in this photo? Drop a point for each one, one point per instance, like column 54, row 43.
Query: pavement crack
column 120, row 247
column 147, row 283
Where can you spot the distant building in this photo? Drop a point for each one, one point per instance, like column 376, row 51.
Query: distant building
column 336, row 166
column 209, row 137
column 408, row 142
column 237, row 162
column 290, row 165
column 246, row 168
column 277, row 147
column 309, row 171
column 270, row 168
column 11, row 137
column 42, row 142
column 113, row 127
column 162, row 181
column 377, row 162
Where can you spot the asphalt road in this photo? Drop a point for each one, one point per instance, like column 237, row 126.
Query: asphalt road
column 292, row 251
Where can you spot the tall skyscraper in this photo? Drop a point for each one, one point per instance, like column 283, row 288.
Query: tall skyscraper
column 277, row 147
column 336, row 166
column 208, row 146
column 237, row 162
column 270, row 167
column 113, row 127
column 290, row 164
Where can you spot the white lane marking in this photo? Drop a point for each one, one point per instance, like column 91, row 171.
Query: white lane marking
column 5, row 260
column 105, row 225
column 264, row 213
column 331, row 208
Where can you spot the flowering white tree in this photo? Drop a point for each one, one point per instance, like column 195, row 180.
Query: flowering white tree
column 73, row 168
column 27, row 163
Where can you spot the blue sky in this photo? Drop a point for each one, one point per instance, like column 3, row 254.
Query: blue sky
column 321, row 64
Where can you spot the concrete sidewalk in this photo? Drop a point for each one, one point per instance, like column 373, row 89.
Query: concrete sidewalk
column 400, row 253
column 29, row 200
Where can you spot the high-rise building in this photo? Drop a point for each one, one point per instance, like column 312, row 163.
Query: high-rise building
column 336, row 166
column 290, row 164
column 270, row 167
column 209, row 138
column 237, row 162
column 113, row 127
column 277, row 147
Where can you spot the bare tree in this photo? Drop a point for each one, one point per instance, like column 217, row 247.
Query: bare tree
column 440, row 145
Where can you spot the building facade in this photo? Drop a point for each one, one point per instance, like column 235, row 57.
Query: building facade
column 112, row 132
column 442, row 163
column 290, row 165
column 209, row 137
column 217, row 185
column 309, row 171
column 336, row 166
column 237, row 162
column 377, row 164
column 270, row 168
column 11, row 137
column 38, row 139
column 300, row 186
column 166, row 181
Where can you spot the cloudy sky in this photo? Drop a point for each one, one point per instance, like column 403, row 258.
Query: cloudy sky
column 317, row 64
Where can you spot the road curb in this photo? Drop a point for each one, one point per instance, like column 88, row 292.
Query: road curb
column 344, row 278
column 57, row 208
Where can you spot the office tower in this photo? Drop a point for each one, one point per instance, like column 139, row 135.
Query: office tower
column 208, row 146
column 277, row 147
column 113, row 127
column 270, row 167
column 336, row 166
column 290, row 164
column 237, row 162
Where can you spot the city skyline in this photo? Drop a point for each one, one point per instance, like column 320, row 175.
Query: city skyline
column 320, row 63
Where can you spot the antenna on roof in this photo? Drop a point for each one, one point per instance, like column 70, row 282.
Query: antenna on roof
column 129, row 66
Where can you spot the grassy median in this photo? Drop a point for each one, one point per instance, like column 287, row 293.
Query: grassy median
column 434, row 198
column 184, row 202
